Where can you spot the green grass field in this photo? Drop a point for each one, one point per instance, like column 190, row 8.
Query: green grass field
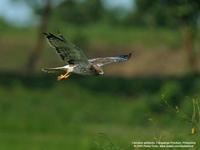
column 82, row 113
column 97, row 113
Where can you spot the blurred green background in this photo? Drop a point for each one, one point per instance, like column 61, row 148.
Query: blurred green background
column 152, row 97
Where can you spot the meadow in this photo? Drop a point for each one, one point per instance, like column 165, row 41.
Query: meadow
column 37, row 112
column 96, row 113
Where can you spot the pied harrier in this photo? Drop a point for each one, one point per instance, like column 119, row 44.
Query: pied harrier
column 75, row 59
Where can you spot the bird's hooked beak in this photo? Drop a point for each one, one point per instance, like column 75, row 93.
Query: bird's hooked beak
column 101, row 72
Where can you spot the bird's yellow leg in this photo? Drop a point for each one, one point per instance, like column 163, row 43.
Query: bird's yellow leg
column 65, row 76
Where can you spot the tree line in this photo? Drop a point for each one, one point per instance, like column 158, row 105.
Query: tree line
column 177, row 14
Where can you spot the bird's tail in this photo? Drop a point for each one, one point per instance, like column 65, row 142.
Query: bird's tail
column 51, row 70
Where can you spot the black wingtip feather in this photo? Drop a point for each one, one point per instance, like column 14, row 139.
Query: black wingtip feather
column 46, row 34
column 128, row 56
column 50, row 35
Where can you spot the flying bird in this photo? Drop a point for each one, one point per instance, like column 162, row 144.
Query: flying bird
column 75, row 59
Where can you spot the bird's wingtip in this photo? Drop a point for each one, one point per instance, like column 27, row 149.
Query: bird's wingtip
column 126, row 56
column 129, row 55
column 48, row 34
column 45, row 33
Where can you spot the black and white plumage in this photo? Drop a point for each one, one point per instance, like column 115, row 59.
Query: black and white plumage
column 75, row 59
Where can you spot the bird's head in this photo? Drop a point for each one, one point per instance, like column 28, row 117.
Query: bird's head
column 97, row 70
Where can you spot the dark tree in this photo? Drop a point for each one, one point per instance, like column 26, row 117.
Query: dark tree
column 45, row 13
column 179, row 14
column 78, row 12
column 43, row 10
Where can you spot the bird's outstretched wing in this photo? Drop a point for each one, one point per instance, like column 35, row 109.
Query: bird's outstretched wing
column 108, row 60
column 68, row 52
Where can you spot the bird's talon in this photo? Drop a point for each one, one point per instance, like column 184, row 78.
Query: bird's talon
column 66, row 76
column 62, row 77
